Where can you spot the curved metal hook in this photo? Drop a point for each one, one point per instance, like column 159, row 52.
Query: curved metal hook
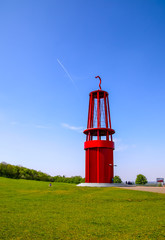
column 100, row 81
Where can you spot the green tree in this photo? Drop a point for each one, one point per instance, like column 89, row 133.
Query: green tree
column 19, row 172
column 141, row 179
column 117, row 179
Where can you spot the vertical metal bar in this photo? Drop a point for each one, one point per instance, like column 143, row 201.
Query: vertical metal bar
column 98, row 110
column 92, row 113
column 86, row 180
column 107, row 136
column 87, row 166
column 92, row 110
column 100, row 106
column 89, row 112
column 98, row 165
column 89, row 117
column 112, row 166
column 105, row 106
column 106, row 118
column 109, row 115
column 98, row 114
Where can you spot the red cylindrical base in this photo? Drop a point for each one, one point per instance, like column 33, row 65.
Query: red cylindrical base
column 99, row 162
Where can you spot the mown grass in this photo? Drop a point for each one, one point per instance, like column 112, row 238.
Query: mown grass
column 33, row 210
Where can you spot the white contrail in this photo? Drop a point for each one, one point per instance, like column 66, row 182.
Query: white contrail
column 65, row 70
column 74, row 128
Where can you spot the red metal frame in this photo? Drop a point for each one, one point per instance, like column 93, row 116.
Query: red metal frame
column 99, row 153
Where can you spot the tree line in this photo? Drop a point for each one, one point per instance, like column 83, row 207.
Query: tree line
column 19, row 172
column 140, row 179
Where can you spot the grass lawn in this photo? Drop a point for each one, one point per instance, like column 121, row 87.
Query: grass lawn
column 33, row 210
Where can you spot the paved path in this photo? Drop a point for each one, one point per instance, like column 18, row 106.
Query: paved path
column 147, row 189
column 101, row 185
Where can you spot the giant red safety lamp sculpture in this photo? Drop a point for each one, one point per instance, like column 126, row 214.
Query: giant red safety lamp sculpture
column 99, row 145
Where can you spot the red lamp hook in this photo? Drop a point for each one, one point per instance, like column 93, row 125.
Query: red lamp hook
column 100, row 82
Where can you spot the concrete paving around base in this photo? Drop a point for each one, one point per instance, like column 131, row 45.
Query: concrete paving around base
column 102, row 185
column 147, row 189
column 125, row 186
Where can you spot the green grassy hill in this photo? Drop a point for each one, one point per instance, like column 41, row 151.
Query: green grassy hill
column 33, row 210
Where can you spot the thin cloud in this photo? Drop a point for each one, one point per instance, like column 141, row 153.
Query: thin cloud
column 74, row 128
column 65, row 70
column 120, row 146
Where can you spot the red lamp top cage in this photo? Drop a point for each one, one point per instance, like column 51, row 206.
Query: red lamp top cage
column 99, row 121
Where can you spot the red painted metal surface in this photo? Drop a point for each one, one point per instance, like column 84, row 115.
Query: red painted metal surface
column 100, row 82
column 99, row 144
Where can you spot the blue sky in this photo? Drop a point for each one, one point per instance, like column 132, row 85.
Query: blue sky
column 50, row 53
